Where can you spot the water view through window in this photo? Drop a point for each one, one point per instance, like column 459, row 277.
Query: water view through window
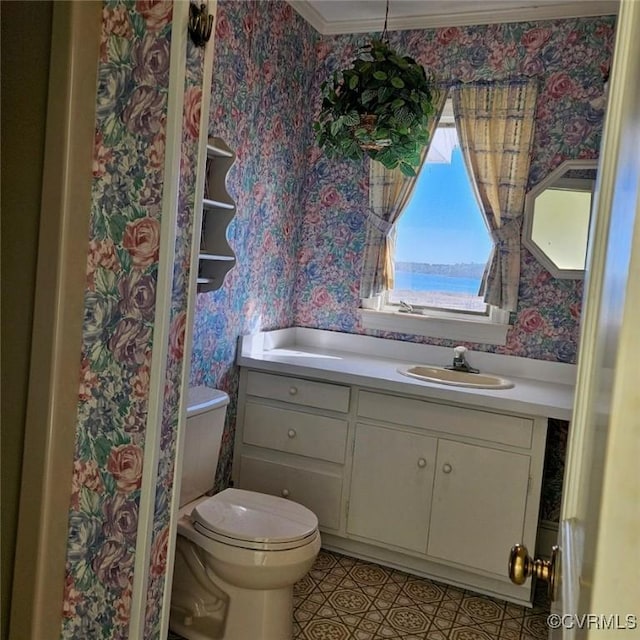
column 442, row 243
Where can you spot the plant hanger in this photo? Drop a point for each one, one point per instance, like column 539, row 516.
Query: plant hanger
column 385, row 36
column 379, row 107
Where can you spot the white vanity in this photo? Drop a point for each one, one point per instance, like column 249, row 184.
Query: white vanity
column 436, row 480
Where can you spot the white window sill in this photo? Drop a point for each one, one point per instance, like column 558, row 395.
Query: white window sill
column 481, row 329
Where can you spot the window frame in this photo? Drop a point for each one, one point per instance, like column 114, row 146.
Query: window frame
column 489, row 326
column 486, row 329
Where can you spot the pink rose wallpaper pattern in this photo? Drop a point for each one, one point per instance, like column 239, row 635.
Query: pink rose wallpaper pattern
column 263, row 69
column 299, row 249
column 118, row 336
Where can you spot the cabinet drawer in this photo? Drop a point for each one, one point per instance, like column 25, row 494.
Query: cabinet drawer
column 304, row 392
column 317, row 491
column 472, row 423
column 304, row 434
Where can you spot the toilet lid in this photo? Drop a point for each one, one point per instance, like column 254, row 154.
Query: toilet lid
column 247, row 516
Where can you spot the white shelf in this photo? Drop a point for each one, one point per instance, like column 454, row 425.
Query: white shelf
column 215, row 256
column 216, row 204
column 214, row 151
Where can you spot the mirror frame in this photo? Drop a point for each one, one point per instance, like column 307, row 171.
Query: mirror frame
column 529, row 206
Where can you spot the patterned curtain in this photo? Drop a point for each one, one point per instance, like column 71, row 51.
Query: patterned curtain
column 495, row 126
column 389, row 192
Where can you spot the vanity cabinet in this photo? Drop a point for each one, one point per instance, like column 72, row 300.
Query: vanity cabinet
column 436, row 489
column 216, row 258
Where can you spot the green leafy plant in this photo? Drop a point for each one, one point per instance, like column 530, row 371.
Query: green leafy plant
column 379, row 107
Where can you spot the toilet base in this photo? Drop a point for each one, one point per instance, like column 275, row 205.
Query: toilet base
column 265, row 615
column 260, row 614
column 204, row 606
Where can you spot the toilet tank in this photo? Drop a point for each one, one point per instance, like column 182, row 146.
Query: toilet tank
column 206, row 410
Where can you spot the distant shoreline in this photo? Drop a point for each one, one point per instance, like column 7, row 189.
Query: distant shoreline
column 459, row 270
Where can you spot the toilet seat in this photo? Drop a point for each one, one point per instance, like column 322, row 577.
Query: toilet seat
column 253, row 520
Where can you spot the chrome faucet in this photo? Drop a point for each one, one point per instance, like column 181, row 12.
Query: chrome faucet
column 405, row 307
column 460, row 361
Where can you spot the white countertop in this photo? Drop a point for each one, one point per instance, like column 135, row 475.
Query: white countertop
column 541, row 388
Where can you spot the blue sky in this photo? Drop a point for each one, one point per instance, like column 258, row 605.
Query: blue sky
column 442, row 223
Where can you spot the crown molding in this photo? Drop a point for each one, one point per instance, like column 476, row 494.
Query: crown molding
column 570, row 9
column 311, row 15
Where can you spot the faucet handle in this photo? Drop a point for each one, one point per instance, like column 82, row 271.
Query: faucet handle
column 459, row 351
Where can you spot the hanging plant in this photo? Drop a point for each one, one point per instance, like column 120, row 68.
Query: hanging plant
column 379, row 107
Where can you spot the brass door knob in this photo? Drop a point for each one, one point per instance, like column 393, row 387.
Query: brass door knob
column 522, row 566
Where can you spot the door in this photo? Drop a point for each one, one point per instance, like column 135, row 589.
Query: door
column 600, row 519
column 391, row 485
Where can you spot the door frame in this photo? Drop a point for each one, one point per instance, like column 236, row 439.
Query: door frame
column 50, row 426
column 207, row 80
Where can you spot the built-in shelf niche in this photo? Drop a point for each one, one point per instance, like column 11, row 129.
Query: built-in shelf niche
column 218, row 209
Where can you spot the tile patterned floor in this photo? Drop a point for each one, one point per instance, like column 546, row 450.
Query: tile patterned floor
column 343, row 598
column 346, row 599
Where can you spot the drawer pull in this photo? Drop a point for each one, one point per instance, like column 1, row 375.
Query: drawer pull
column 292, row 433
column 293, row 391
column 285, row 493
column 422, row 463
column 447, row 468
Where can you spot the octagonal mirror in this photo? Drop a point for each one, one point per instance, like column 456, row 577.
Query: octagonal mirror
column 557, row 212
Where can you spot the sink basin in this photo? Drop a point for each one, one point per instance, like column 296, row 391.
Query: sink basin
column 455, row 378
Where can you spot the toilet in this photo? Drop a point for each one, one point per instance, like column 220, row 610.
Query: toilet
column 238, row 553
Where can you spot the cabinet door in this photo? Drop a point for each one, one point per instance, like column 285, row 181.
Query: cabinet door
column 479, row 502
column 391, row 485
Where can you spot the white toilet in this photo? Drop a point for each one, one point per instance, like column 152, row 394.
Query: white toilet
column 238, row 553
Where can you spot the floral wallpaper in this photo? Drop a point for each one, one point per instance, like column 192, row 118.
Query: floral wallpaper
column 266, row 90
column 569, row 58
column 263, row 69
column 118, row 337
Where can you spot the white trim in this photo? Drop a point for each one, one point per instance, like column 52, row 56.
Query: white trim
column 561, row 10
column 480, row 329
column 191, row 306
column 162, row 321
column 310, row 14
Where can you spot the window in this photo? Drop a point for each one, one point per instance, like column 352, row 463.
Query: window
column 442, row 246
column 442, row 243
column 508, row 108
